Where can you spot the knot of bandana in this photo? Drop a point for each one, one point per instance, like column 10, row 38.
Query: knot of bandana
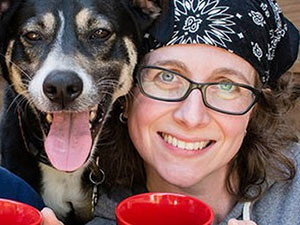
column 256, row 30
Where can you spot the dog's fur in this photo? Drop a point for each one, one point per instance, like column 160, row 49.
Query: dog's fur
column 94, row 42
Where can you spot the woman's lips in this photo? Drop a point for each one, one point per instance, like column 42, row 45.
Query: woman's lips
column 181, row 144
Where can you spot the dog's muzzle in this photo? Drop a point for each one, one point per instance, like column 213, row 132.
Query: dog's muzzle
column 62, row 87
column 69, row 140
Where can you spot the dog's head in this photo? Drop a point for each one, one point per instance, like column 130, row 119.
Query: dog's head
column 69, row 61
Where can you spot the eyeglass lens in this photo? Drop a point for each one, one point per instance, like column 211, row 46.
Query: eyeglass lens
column 169, row 86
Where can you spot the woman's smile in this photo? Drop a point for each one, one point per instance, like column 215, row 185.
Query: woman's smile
column 185, row 145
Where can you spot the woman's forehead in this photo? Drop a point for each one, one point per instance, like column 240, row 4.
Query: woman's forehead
column 200, row 58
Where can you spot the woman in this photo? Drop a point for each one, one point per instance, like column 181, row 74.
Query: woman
column 208, row 115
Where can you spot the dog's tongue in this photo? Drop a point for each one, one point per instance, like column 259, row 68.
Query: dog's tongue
column 69, row 141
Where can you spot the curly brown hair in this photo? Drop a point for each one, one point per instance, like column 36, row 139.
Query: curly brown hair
column 262, row 157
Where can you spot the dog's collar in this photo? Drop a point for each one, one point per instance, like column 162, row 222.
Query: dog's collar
column 31, row 142
column 97, row 177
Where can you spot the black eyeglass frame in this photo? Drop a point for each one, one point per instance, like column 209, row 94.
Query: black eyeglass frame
column 200, row 86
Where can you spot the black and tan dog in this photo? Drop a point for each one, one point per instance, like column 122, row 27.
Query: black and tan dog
column 66, row 62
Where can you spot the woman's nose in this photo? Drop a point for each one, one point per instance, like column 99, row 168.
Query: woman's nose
column 192, row 112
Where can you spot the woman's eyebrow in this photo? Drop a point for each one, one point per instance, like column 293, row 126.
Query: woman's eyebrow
column 174, row 63
column 233, row 72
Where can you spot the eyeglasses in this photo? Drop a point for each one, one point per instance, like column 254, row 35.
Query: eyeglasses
column 225, row 97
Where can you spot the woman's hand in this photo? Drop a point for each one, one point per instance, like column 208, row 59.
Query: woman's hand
column 49, row 217
column 240, row 222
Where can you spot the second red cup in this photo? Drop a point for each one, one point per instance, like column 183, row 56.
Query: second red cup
column 163, row 209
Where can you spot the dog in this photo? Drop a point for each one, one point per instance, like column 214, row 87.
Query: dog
column 65, row 62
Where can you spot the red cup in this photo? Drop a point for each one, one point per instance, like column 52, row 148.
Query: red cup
column 163, row 209
column 17, row 213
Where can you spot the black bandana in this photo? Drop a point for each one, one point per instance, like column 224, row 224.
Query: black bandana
column 256, row 30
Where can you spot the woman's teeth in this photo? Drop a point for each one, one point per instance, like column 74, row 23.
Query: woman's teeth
column 199, row 145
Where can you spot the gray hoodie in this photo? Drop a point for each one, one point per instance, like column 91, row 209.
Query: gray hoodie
column 280, row 204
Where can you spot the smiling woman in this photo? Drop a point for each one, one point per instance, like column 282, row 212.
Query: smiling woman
column 178, row 139
column 207, row 116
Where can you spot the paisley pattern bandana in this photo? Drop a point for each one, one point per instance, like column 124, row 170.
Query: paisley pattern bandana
column 255, row 30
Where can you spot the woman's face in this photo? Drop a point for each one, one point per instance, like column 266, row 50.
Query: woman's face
column 185, row 143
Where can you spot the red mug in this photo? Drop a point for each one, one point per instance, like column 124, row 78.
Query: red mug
column 163, row 209
column 17, row 213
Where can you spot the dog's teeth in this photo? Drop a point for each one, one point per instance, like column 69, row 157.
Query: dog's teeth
column 95, row 108
column 93, row 115
column 49, row 118
column 90, row 126
column 101, row 118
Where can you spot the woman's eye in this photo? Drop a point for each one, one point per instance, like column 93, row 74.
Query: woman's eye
column 32, row 36
column 226, row 87
column 100, row 34
column 227, row 91
column 167, row 77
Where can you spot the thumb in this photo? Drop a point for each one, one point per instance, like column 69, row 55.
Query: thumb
column 49, row 217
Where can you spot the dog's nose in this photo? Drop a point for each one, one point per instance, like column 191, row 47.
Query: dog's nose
column 62, row 87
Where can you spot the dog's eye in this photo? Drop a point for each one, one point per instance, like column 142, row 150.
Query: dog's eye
column 100, row 34
column 32, row 36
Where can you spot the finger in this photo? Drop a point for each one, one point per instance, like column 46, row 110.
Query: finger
column 240, row 222
column 49, row 217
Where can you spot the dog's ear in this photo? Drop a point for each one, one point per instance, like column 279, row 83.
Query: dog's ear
column 142, row 13
column 7, row 10
column 146, row 11
column 150, row 7
column 4, row 5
